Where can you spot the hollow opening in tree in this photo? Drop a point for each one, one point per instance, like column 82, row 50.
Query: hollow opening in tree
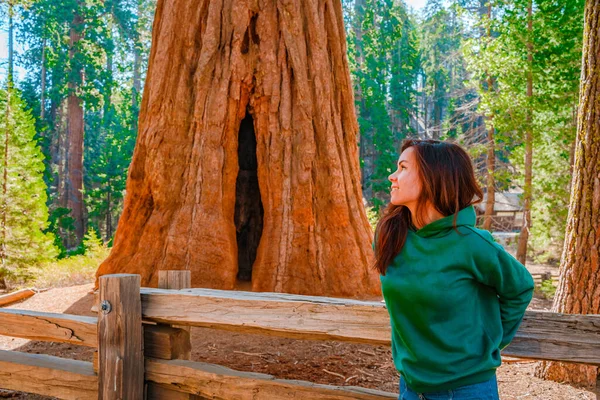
column 248, row 204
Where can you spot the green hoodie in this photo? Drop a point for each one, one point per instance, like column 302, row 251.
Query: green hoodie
column 455, row 299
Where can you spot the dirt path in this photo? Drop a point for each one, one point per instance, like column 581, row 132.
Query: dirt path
column 360, row 365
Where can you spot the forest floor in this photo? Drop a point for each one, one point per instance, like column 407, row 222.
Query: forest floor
column 328, row 362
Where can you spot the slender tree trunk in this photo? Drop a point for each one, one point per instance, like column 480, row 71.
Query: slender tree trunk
column 137, row 82
column 43, row 79
column 11, row 62
column 437, row 113
column 108, row 91
column 490, row 180
column 285, row 65
column 75, row 136
column 527, row 195
column 3, row 248
column 491, row 151
column 137, row 61
column 108, row 213
column 579, row 285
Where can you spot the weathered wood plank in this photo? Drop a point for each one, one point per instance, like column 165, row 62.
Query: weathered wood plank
column 52, row 327
column 47, row 375
column 302, row 317
column 220, row 383
column 169, row 279
column 121, row 366
column 13, row 297
column 557, row 337
column 174, row 279
column 543, row 335
column 157, row 392
column 166, row 342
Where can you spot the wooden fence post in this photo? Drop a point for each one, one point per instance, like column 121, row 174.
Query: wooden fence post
column 175, row 280
column 171, row 279
column 173, row 337
column 120, row 348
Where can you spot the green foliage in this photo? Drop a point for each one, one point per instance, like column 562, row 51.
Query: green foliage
column 60, row 224
column 373, row 217
column 556, row 43
column 112, row 56
column 75, row 270
column 23, row 212
column 383, row 62
column 440, row 41
column 548, row 289
column 92, row 243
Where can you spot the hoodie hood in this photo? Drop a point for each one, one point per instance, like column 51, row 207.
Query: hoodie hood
column 441, row 227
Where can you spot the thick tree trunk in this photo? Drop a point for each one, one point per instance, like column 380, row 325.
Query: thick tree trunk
column 59, row 151
column 75, row 138
column 283, row 64
column 579, row 286
column 528, row 188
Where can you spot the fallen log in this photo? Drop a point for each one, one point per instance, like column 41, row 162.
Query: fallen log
column 13, row 297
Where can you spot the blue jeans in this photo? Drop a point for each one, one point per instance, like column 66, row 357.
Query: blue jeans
column 480, row 391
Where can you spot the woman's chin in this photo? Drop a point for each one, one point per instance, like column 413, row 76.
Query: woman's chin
column 396, row 202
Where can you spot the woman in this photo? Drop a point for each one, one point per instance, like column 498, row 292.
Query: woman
column 455, row 297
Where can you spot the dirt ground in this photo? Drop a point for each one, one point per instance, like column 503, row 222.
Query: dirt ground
column 329, row 362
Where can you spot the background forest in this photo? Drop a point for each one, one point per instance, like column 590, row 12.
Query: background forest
column 499, row 77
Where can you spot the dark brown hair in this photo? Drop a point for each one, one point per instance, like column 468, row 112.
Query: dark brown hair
column 448, row 183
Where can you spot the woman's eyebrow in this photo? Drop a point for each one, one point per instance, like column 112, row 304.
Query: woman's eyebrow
column 401, row 161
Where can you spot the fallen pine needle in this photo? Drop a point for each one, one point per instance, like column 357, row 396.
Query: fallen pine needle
column 366, row 373
column 251, row 354
column 334, row 374
column 352, row 377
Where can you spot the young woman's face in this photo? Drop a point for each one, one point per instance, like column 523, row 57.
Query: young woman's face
column 406, row 185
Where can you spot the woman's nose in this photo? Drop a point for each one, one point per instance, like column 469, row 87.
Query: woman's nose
column 392, row 178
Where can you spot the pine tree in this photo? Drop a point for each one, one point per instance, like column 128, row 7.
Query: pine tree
column 23, row 210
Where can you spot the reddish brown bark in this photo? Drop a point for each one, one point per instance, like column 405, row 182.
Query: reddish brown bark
column 212, row 64
column 75, row 137
column 579, row 286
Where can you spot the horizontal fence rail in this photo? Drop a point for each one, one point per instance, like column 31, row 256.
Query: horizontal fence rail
column 47, row 375
column 543, row 335
column 49, row 327
column 217, row 382
column 169, row 374
column 274, row 314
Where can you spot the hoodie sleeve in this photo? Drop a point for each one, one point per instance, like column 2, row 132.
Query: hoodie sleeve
column 513, row 284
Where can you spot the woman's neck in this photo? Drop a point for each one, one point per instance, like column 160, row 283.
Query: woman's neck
column 429, row 215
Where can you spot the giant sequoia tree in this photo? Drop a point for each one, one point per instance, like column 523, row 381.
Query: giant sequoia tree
column 579, row 287
column 279, row 192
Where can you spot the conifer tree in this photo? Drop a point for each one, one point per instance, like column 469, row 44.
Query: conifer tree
column 23, row 210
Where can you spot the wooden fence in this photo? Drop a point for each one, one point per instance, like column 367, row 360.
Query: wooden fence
column 143, row 342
